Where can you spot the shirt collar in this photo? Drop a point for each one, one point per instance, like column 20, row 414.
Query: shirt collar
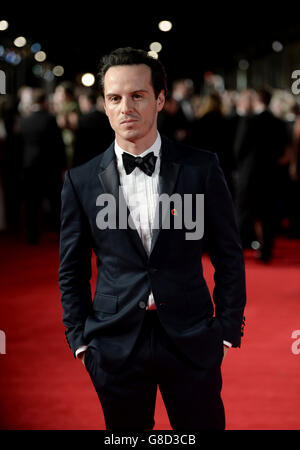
column 155, row 147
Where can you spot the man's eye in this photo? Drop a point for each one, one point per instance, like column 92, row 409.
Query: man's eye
column 137, row 96
column 114, row 99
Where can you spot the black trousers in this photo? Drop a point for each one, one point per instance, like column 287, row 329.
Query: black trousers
column 191, row 395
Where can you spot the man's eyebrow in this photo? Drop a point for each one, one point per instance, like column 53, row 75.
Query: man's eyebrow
column 140, row 90
column 111, row 94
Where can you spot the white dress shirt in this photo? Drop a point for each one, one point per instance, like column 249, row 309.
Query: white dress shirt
column 141, row 194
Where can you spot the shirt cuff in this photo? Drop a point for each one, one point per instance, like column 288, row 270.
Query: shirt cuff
column 80, row 350
column 228, row 344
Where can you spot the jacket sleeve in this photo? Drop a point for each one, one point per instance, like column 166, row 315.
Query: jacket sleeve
column 226, row 254
column 75, row 265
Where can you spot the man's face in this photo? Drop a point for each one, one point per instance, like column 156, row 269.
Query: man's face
column 130, row 102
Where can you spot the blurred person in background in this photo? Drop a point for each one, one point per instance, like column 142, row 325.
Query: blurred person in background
column 239, row 122
column 93, row 134
column 171, row 121
column 294, row 171
column 260, row 143
column 67, row 112
column 212, row 82
column 25, row 100
column 229, row 101
column 10, row 166
column 244, row 104
column 283, row 105
column 3, row 136
column 210, row 131
column 43, row 165
column 100, row 103
column 237, row 125
column 182, row 93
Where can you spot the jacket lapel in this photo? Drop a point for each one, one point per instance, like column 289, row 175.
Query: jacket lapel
column 169, row 170
column 110, row 180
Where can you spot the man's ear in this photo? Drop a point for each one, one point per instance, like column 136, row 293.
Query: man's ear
column 160, row 100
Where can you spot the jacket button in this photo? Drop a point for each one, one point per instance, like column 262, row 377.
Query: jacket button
column 162, row 305
column 142, row 305
column 152, row 270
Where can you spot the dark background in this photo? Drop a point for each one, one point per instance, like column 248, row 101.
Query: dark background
column 204, row 37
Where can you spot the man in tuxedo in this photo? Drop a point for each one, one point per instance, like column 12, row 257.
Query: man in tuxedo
column 151, row 320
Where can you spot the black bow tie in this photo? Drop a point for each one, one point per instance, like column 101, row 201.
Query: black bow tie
column 146, row 164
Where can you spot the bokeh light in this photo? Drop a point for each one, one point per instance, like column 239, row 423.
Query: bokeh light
column 155, row 47
column 243, row 64
column 13, row 58
column 48, row 75
column 58, row 71
column 165, row 25
column 20, row 41
column 38, row 70
column 40, row 56
column 36, row 47
column 153, row 54
column 277, row 46
column 3, row 25
column 87, row 79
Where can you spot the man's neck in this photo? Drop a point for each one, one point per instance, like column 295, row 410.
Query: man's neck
column 139, row 146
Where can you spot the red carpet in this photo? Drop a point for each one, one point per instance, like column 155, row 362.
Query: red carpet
column 43, row 387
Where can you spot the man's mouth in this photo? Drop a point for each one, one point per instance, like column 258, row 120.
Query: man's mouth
column 128, row 121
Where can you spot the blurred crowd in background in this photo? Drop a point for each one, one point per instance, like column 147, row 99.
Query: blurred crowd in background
column 255, row 133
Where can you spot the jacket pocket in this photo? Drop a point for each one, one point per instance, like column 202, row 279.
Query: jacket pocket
column 105, row 303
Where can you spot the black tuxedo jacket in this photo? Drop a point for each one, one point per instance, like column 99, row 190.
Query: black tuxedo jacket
column 111, row 318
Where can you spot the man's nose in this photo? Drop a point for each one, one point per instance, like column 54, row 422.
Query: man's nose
column 127, row 105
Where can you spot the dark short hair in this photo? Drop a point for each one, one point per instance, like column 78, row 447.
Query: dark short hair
column 131, row 56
